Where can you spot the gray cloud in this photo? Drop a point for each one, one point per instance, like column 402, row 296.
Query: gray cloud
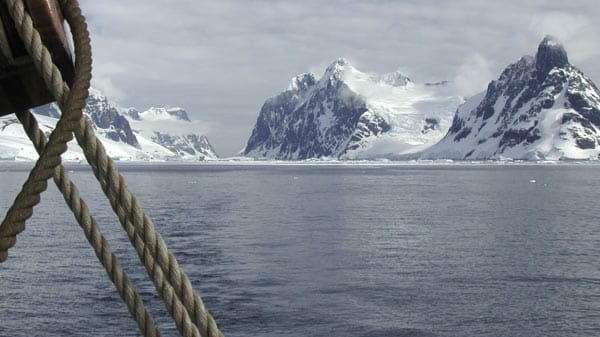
column 221, row 59
column 473, row 75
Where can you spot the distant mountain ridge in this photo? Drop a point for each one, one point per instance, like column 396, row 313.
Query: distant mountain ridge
column 153, row 134
column 540, row 107
column 173, row 129
column 348, row 114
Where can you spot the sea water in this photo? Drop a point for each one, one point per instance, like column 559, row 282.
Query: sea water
column 326, row 250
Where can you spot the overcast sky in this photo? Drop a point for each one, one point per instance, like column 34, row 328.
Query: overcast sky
column 220, row 59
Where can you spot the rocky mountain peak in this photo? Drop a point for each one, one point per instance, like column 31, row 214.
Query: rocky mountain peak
column 349, row 114
column 302, row 82
column 96, row 94
column 336, row 70
column 550, row 54
column 395, row 79
column 179, row 114
column 540, row 107
column 340, row 62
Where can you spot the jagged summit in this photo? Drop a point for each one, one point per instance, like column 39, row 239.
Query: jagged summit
column 337, row 69
column 395, row 79
column 162, row 113
column 350, row 114
column 302, row 82
column 550, row 54
column 93, row 92
column 540, row 107
column 165, row 133
column 340, row 62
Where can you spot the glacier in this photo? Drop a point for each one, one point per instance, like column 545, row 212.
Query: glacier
column 349, row 114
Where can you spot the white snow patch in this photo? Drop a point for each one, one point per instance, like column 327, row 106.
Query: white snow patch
column 405, row 106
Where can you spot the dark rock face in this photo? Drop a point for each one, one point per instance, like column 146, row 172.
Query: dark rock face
column 106, row 117
column 512, row 110
column 551, row 54
column 268, row 132
column 50, row 110
column 430, row 124
column 313, row 119
column 179, row 113
column 437, row 84
column 112, row 122
column 190, row 144
column 133, row 113
column 368, row 125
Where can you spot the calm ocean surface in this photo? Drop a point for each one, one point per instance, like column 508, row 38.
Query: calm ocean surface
column 326, row 250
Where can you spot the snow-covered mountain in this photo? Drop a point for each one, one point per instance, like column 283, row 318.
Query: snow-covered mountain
column 155, row 134
column 172, row 129
column 541, row 107
column 350, row 114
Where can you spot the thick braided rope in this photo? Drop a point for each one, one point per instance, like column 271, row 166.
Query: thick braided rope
column 71, row 103
column 49, row 77
column 173, row 304
column 191, row 299
column 92, row 232
column 53, row 79
column 38, row 51
column 149, row 244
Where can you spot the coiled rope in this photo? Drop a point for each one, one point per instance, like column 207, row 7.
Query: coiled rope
column 182, row 302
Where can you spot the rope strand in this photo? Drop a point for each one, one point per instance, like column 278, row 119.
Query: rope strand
column 141, row 230
column 183, row 303
column 71, row 103
column 92, row 232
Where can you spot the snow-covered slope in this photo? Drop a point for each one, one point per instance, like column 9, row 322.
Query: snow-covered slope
column 350, row 114
column 172, row 129
column 156, row 134
column 14, row 144
column 541, row 107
